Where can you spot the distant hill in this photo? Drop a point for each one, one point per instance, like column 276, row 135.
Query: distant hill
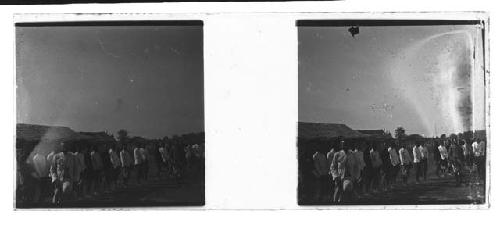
column 30, row 132
column 35, row 133
column 309, row 130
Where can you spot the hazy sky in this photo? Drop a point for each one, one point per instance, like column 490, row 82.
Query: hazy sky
column 412, row 76
column 146, row 79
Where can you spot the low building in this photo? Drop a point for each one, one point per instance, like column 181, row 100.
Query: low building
column 376, row 134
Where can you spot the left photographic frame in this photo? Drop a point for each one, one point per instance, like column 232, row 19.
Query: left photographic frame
column 109, row 114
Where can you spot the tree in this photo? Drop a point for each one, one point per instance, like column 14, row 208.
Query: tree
column 399, row 133
column 122, row 135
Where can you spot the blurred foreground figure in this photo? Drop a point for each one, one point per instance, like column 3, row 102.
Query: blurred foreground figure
column 61, row 173
column 321, row 173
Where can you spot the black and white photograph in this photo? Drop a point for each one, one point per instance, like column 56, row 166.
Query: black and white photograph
column 392, row 112
column 109, row 114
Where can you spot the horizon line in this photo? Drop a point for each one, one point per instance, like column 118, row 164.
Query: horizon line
column 107, row 131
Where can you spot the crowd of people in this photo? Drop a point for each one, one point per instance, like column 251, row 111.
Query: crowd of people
column 76, row 170
column 344, row 171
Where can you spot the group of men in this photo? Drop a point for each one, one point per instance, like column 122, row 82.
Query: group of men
column 75, row 170
column 349, row 170
column 454, row 155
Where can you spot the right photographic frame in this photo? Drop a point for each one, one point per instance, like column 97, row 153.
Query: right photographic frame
column 393, row 112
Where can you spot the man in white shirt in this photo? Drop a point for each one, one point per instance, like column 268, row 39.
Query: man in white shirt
column 50, row 158
column 395, row 164
column 443, row 152
column 475, row 148
column 443, row 163
column 405, row 163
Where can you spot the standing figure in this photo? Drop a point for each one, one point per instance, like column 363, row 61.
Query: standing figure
column 79, row 170
column 360, row 167
column 126, row 164
column 98, row 169
column 395, row 164
column 138, row 169
column 467, row 148
column 145, row 165
column 443, row 162
column 337, row 170
column 405, row 164
column 386, row 166
column 376, row 168
column 321, row 173
column 115, row 168
column 417, row 162
column 479, row 150
column 347, row 180
column 456, row 161
column 331, row 183
column 61, row 172
column 424, row 160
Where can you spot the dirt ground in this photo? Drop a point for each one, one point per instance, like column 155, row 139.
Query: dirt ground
column 435, row 190
column 156, row 192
